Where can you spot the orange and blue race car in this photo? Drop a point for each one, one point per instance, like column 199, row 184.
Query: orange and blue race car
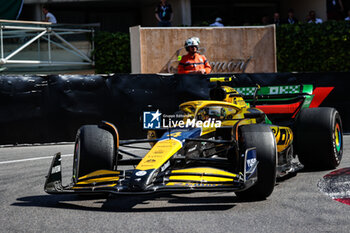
column 227, row 143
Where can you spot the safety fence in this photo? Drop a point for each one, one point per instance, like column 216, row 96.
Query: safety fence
column 42, row 46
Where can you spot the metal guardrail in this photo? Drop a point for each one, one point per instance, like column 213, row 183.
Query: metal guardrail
column 28, row 43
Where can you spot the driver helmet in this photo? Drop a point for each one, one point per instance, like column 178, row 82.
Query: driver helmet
column 193, row 41
column 216, row 112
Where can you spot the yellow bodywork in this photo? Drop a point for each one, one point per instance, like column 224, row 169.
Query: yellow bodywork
column 234, row 112
column 159, row 154
column 97, row 179
column 99, row 173
column 283, row 135
column 234, row 107
column 201, row 177
column 204, row 171
column 94, row 186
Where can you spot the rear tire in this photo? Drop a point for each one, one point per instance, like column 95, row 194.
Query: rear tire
column 94, row 150
column 319, row 138
column 261, row 137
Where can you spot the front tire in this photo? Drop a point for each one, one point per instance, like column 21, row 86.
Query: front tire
column 94, row 150
column 261, row 137
column 319, row 138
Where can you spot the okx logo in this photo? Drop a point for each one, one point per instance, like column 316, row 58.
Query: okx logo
column 151, row 120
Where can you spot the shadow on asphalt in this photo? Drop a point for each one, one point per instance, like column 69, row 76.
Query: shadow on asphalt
column 146, row 203
column 310, row 170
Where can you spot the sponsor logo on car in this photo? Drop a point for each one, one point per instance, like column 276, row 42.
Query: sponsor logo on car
column 141, row 173
column 56, row 169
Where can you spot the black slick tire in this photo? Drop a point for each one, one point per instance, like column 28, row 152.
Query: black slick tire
column 94, row 150
column 319, row 138
column 261, row 137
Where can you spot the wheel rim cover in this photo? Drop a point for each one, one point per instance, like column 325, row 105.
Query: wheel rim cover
column 337, row 137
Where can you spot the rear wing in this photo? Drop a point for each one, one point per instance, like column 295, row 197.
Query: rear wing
column 259, row 94
column 284, row 99
column 283, row 91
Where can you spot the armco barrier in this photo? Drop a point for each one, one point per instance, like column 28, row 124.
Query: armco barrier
column 51, row 108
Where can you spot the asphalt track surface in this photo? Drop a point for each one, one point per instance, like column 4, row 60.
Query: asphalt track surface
column 296, row 204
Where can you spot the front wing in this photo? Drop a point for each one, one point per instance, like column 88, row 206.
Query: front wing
column 177, row 180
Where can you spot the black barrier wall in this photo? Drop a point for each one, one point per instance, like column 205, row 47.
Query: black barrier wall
column 51, row 108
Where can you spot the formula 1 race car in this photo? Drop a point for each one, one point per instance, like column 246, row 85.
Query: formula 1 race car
column 224, row 144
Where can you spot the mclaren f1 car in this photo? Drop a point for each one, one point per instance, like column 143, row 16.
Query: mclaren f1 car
column 227, row 143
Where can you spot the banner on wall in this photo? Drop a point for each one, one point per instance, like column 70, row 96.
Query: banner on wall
column 228, row 49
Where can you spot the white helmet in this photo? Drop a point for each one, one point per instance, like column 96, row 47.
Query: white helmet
column 193, row 41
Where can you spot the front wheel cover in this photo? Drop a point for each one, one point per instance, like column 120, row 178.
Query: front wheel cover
column 261, row 137
column 94, row 150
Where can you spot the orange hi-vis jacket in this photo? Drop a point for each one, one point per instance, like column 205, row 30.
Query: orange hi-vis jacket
column 188, row 64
